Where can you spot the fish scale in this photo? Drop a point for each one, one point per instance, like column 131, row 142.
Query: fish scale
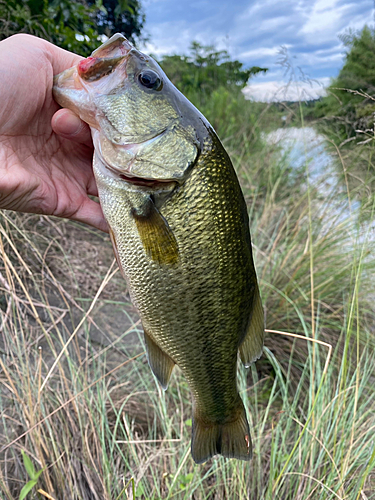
column 180, row 232
column 204, row 262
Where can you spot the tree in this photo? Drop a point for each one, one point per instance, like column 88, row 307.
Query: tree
column 120, row 16
column 72, row 25
column 213, row 82
column 207, row 69
column 350, row 104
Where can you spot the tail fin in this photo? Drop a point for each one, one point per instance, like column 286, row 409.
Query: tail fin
column 231, row 439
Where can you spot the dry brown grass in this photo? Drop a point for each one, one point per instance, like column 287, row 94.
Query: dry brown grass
column 77, row 396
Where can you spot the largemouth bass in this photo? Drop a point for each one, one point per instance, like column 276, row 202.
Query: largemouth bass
column 180, row 232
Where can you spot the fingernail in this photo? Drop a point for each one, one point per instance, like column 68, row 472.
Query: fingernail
column 72, row 124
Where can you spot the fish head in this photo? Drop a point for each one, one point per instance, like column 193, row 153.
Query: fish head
column 142, row 126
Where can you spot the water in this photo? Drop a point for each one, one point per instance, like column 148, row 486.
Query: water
column 304, row 146
column 306, row 151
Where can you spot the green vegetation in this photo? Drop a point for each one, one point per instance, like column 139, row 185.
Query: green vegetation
column 346, row 115
column 33, row 475
column 206, row 70
column 78, row 397
column 213, row 83
column 349, row 106
column 119, row 16
column 60, row 21
column 79, row 406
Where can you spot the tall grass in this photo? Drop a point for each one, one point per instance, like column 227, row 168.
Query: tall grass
column 77, row 395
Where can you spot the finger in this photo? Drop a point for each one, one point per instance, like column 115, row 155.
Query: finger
column 92, row 188
column 60, row 59
column 68, row 125
column 91, row 213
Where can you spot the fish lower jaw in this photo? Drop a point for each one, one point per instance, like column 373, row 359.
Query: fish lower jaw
column 136, row 180
column 140, row 181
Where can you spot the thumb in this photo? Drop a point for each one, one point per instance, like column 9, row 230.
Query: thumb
column 68, row 125
column 90, row 212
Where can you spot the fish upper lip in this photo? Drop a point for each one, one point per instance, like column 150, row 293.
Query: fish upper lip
column 117, row 37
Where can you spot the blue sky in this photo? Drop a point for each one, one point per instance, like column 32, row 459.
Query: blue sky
column 253, row 31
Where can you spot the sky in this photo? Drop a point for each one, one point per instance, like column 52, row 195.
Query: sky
column 303, row 33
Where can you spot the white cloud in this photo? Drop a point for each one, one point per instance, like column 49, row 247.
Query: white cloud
column 259, row 52
column 328, row 17
column 254, row 30
column 264, row 19
column 157, row 50
column 324, row 16
column 164, row 39
column 277, row 90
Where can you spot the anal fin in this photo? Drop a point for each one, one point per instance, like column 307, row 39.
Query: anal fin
column 252, row 345
column 160, row 363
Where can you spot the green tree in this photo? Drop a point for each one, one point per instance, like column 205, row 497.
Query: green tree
column 72, row 25
column 120, row 16
column 213, row 82
column 350, row 104
column 207, row 69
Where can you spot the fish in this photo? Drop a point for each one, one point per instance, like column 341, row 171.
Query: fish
column 180, row 233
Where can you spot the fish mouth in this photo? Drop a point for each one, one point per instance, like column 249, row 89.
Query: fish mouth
column 141, row 181
column 117, row 45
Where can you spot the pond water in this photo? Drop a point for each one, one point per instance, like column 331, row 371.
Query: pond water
column 304, row 145
column 306, row 151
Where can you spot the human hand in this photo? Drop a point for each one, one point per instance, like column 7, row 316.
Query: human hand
column 45, row 152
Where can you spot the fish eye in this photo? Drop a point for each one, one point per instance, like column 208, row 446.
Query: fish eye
column 150, row 80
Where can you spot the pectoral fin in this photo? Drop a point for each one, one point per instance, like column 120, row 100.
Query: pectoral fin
column 160, row 363
column 252, row 346
column 157, row 237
